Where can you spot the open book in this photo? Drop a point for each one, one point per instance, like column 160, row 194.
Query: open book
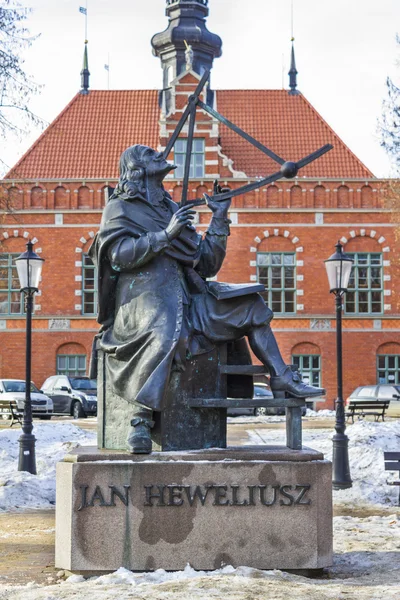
column 223, row 291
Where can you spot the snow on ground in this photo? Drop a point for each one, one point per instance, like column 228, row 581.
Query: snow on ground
column 242, row 419
column 366, row 549
column 367, row 442
column 21, row 490
column 321, row 414
column 366, row 567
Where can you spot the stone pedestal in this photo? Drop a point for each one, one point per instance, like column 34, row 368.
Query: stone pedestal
column 263, row 507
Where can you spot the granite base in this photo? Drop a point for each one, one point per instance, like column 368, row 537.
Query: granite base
column 262, row 507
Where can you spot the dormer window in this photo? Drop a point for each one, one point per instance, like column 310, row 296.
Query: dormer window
column 197, row 160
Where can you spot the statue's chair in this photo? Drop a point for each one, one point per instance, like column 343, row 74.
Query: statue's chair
column 195, row 416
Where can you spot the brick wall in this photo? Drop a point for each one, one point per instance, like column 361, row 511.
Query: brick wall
column 256, row 230
column 305, row 216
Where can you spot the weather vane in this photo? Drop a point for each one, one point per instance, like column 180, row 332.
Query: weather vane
column 288, row 169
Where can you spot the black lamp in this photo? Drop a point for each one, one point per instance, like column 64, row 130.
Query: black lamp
column 29, row 267
column 338, row 268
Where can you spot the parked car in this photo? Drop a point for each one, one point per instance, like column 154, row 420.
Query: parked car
column 260, row 391
column 75, row 396
column 378, row 392
column 14, row 389
column 263, row 390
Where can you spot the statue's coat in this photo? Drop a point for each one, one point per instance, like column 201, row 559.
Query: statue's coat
column 156, row 312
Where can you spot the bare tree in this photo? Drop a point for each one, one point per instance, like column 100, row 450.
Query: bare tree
column 16, row 87
column 389, row 123
column 389, row 131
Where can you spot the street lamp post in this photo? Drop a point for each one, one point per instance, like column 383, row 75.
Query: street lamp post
column 338, row 268
column 29, row 267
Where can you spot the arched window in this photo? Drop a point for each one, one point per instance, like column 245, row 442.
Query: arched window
column 296, row 200
column 71, row 360
column 84, row 199
column 343, row 197
column 307, row 358
column 14, row 199
column 202, row 189
column 272, row 197
column 388, row 363
column 60, row 197
column 250, row 200
column 366, row 197
column 37, row 197
column 319, row 197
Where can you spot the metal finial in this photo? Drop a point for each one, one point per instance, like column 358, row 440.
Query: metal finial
column 85, row 74
column 293, row 73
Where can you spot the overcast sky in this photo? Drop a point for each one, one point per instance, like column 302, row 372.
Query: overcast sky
column 344, row 50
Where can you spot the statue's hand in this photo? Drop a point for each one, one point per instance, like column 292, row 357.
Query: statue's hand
column 184, row 216
column 219, row 209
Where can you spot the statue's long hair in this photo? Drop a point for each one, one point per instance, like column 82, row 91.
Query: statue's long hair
column 132, row 169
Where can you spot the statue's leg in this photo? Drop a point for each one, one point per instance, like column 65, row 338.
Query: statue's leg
column 139, row 440
column 263, row 343
column 283, row 378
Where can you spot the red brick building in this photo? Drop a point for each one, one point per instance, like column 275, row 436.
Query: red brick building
column 280, row 234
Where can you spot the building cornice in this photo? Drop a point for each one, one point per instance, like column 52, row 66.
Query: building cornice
column 107, row 180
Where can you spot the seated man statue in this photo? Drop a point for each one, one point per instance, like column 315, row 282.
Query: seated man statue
column 155, row 306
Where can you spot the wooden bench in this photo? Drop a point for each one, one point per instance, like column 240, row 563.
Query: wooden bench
column 9, row 410
column 363, row 408
column 392, row 463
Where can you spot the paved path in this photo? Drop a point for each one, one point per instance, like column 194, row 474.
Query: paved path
column 27, row 547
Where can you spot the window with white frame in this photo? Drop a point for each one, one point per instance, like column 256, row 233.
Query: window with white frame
column 388, row 368
column 197, row 159
column 89, row 286
column 277, row 271
column 11, row 300
column 309, row 366
column 71, row 364
column 365, row 290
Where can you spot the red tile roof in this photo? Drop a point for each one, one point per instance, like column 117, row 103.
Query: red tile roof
column 87, row 138
column 289, row 126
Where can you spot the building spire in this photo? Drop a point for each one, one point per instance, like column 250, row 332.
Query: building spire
column 85, row 74
column 293, row 73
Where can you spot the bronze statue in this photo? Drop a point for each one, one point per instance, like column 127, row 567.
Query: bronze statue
column 155, row 306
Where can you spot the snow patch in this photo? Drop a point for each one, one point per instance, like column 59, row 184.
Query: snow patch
column 21, row 490
column 367, row 443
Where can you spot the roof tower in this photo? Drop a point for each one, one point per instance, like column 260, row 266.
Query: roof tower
column 186, row 28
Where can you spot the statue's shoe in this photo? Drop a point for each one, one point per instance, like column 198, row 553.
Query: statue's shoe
column 290, row 382
column 139, row 440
